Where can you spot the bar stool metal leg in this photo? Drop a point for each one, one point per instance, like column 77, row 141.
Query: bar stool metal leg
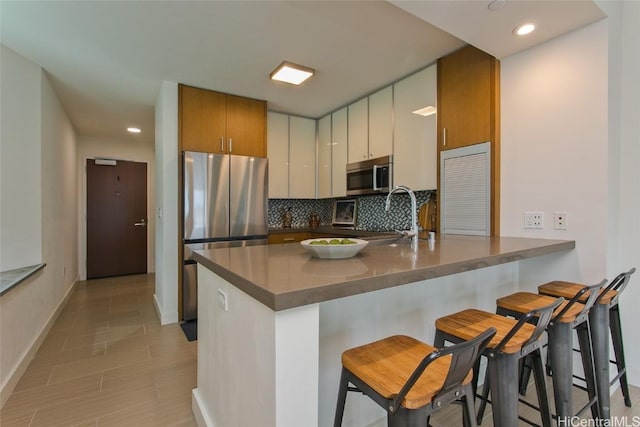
column 599, row 322
column 586, row 353
column 503, row 377
column 618, row 348
column 561, row 361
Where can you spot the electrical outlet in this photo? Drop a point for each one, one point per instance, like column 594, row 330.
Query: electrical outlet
column 560, row 220
column 223, row 301
column 534, row 220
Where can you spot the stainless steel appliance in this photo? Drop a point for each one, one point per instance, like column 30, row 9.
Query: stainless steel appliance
column 224, row 204
column 373, row 176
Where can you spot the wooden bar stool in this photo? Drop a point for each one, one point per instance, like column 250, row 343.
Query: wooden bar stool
column 514, row 340
column 570, row 315
column 603, row 316
column 410, row 379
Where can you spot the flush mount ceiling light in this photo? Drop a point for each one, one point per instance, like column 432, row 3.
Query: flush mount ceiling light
column 134, row 130
column 524, row 29
column 291, row 73
column 426, row 111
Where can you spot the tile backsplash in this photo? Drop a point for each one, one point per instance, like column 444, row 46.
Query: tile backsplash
column 370, row 214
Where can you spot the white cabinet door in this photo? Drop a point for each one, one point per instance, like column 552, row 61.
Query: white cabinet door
column 339, row 150
column 302, row 158
column 381, row 123
column 324, row 157
column 278, row 154
column 359, row 131
column 414, row 141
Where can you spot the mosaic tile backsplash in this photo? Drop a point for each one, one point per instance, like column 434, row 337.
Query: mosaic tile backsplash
column 370, row 213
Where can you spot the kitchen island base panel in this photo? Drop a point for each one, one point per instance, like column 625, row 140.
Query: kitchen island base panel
column 262, row 367
column 402, row 310
column 255, row 366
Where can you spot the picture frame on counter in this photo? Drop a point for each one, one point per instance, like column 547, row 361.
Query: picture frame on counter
column 345, row 212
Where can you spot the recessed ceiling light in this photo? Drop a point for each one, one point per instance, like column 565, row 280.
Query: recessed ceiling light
column 426, row 111
column 134, row 130
column 524, row 29
column 291, row 73
column 496, row 4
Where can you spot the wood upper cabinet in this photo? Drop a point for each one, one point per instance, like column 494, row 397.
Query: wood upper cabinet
column 469, row 113
column 468, row 98
column 246, row 126
column 215, row 122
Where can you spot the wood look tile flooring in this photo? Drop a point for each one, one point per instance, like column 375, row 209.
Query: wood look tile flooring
column 108, row 362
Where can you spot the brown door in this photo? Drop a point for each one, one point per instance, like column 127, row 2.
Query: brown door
column 116, row 219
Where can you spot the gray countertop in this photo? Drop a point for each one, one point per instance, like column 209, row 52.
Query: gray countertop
column 285, row 276
column 12, row 278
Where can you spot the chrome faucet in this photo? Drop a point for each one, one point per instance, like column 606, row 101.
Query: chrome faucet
column 413, row 231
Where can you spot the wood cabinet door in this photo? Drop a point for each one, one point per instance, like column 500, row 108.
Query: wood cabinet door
column 246, row 126
column 202, row 120
column 276, row 238
column 467, row 91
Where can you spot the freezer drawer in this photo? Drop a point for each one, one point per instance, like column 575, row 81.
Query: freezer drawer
column 190, row 290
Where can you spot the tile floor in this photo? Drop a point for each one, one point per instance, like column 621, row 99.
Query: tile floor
column 108, row 362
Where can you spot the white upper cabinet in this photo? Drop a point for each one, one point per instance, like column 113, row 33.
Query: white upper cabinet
column 339, row 152
column 359, row 130
column 302, row 158
column 324, row 157
column 381, row 123
column 414, row 146
column 278, row 154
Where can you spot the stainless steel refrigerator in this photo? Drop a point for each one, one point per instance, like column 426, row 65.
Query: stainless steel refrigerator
column 224, row 204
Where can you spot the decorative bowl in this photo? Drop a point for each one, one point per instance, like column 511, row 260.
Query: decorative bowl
column 333, row 250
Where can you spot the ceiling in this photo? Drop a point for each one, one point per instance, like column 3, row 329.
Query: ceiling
column 106, row 59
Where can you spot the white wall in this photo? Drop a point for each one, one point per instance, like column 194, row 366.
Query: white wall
column 167, row 206
column 570, row 143
column 141, row 151
column 624, row 158
column 28, row 310
column 554, row 144
column 20, row 159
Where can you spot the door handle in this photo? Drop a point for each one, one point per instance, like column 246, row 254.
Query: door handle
column 142, row 223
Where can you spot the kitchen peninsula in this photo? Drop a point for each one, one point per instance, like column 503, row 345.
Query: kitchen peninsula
column 273, row 321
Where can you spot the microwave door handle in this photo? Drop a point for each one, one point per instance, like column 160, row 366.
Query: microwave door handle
column 375, row 178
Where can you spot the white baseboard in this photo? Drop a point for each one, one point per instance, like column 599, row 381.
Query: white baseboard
column 199, row 410
column 30, row 352
column 166, row 318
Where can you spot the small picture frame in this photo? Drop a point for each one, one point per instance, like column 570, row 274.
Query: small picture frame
column 344, row 212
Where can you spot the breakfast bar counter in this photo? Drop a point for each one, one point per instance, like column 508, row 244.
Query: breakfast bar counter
column 273, row 321
column 286, row 276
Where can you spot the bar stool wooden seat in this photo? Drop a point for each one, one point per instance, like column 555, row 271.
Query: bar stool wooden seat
column 570, row 315
column 411, row 379
column 604, row 319
column 514, row 340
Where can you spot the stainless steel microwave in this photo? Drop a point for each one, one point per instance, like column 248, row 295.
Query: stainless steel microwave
column 370, row 176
